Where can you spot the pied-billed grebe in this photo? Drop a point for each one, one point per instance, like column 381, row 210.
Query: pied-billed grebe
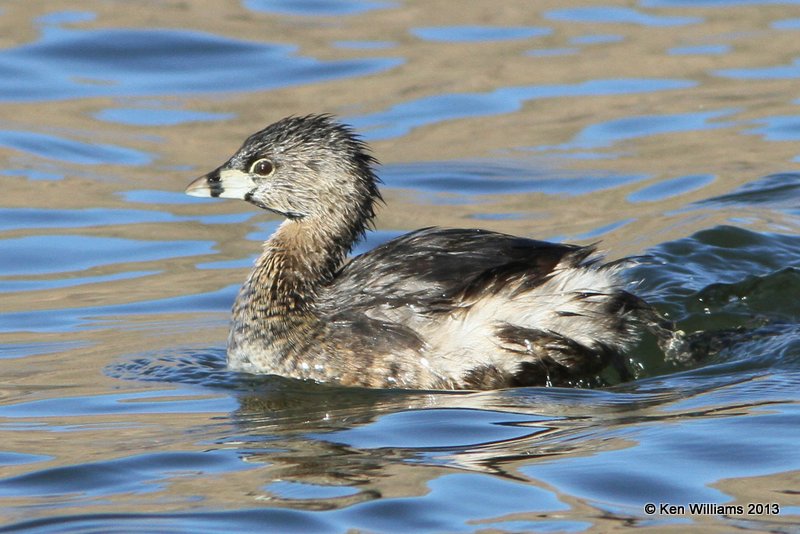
column 433, row 309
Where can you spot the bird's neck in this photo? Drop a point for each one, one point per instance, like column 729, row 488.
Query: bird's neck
column 276, row 310
column 298, row 260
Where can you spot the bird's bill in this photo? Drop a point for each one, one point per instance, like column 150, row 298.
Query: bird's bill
column 222, row 183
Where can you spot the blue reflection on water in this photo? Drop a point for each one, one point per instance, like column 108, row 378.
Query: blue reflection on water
column 437, row 428
column 40, row 254
column 157, row 116
column 38, row 285
column 453, row 497
column 456, row 34
column 89, row 63
column 318, row 8
column 671, row 187
column 597, row 39
column 617, row 15
column 156, row 197
column 18, row 458
column 365, row 45
column 402, row 118
column 58, row 18
column 785, row 128
column 488, row 178
column 32, row 174
column 700, row 50
column 776, row 72
column 602, row 230
column 712, row 3
column 552, row 52
column 77, row 319
column 301, row 490
column 787, row 24
column 59, row 148
column 140, row 402
column 608, row 133
column 694, row 453
column 685, row 446
column 39, row 348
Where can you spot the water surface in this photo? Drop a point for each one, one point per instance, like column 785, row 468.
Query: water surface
column 665, row 129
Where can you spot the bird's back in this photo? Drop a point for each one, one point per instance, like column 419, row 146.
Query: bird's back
column 490, row 309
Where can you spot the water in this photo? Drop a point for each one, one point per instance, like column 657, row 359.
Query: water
column 660, row 128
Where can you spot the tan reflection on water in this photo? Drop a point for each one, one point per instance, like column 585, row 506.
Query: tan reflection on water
column 429, row 69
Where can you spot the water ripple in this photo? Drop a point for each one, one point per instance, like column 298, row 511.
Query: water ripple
column 72, row 64
column 776, row 72
column 158, row 116
column 437, row 428
column 400, row 119
column 117, row 410
column 787, row 24
column 454, row 179
column 59, row 148
column 671, row 187
column 129, row 474
column 617, row 15
column 455, row 34
column 608, row 133
column 714, row 3
column 48, row 254
column 777, row 191
column 785, row 128
column 11, row 218
column 317, row 8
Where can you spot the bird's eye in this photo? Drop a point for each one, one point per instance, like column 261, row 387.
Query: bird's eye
column 262, row 167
